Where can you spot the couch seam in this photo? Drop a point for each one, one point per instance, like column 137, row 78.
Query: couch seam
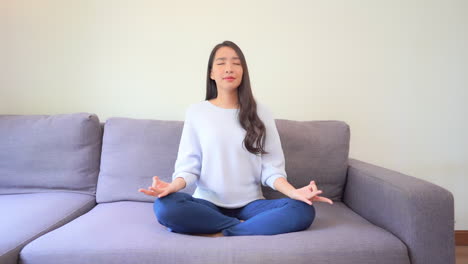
column 41, row 233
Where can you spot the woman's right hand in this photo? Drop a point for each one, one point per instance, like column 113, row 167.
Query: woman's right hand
column 159, row 188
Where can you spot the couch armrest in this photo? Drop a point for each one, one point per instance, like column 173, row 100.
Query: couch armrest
column 419, row 213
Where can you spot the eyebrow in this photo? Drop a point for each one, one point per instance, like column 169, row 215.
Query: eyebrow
column 224, row 58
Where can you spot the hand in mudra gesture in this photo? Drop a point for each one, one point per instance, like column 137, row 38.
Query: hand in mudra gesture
column 309, row 194
column 159, row 188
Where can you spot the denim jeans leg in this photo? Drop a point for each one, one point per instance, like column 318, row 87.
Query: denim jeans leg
column 182, row 213
column 271, row 217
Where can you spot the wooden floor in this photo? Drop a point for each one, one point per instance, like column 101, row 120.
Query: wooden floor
column 462, row 254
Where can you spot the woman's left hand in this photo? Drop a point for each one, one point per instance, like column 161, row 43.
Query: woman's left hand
column 308, row 194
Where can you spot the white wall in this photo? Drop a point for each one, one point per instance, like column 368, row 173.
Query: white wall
column 395, row 71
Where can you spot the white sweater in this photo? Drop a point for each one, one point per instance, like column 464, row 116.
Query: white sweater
column 211, row 153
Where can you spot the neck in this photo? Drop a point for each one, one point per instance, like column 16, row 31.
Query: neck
column 227, row 100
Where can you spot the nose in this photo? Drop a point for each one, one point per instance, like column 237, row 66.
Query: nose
column 228, row 68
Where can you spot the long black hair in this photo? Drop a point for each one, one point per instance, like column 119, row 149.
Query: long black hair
column 254, row 140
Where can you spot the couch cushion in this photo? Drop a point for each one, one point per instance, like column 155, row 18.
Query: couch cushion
column 128, row 232
column 134, row 150
column 27, row 216
column 314, row 150
column 40, row 153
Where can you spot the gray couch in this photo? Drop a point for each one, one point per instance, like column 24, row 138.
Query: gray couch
column 68, row 194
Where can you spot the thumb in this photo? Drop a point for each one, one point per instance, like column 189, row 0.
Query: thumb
column 302, row 199
column 307, row 201
column 164, row 193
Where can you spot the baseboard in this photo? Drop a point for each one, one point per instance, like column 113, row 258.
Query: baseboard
column 461, row 237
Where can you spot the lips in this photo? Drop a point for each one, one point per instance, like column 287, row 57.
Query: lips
column 229, row 78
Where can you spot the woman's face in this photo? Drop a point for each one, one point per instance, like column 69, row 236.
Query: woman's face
column 227, row 69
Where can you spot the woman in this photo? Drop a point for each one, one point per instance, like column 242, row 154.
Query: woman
column 229, row 146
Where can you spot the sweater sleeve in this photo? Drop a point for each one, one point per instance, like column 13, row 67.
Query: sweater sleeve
column 273, row 163
column 189, row 157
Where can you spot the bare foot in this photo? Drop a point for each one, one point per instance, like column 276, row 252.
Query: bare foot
column 220, row 234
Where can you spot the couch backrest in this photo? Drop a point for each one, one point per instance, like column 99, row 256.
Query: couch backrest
column 134, row 150
column 46, row 153
column 314, row 150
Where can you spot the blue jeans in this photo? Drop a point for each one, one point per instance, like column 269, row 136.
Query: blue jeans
column 182, row 213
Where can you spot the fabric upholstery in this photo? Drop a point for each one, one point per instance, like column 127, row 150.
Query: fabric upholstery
column 48, row 170
column 28, row 216
column 128, row 232
column 314, row 150
column 420, row 213
column 134, row 150
column 41, row 153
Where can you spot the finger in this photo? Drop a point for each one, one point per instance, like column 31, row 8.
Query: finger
column 303, row 199
column 147, row 192
column 161, row 195
column 142, row 190
column 323, row 199
column 154, row 189
column 314, row 186
column 315, row 193
column 155, row 181
column 306, row 201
